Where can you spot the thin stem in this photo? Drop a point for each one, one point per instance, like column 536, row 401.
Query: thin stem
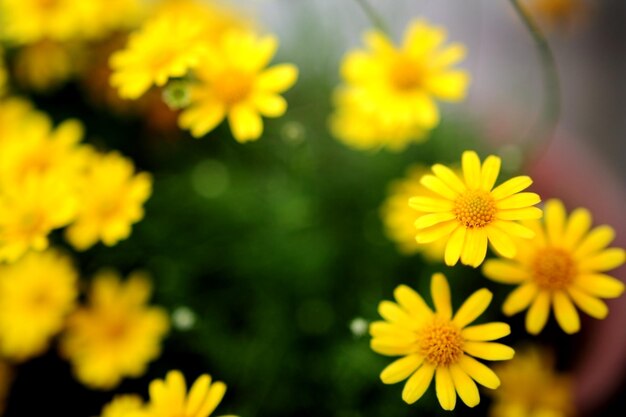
column 373, row 16
column 552, row 104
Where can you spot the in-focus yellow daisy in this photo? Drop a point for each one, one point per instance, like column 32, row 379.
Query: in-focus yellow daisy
column 116, row 334
column 111, row 201
column 394, row 88
column 470, row 212
column 399, row 218
column 531, row 387
column 129, row 405
column 36, row 294
column 169, row 397
column 234, row 83
column 565, row 262
column 438, row 344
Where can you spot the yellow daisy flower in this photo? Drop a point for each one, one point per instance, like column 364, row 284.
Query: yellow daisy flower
column 234, row 83
column 112, row 198
column 565, row 262
column 399, row 218
column 117, row 334
column 36, row 294
column 394, row 88
column 468, row 213
column 124, row 406
column 531, row 387
column 169, row 397
column 438, row 344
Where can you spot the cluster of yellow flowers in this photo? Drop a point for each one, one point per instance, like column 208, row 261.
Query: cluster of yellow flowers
column 49, row 180
column 210, row 64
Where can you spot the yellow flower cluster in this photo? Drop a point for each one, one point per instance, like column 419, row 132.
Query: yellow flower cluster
column 388, row 94
column 221, row 60
column 116, row 334
column 49, row 180
column 169, row 398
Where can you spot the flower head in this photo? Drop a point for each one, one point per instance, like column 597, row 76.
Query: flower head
column 112, row 198
column 117, row 334
column 234, row 83
column 566, row 261
column 531, row 387
column 393, row 88
column 169, row 397
column 470, row 212
column 399, row 218
column 436, row 343
column 36, row 294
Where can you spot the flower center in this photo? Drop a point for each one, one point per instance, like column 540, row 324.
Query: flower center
column 441, row 343
column 232, row 87
column 475, row 209
column 405, row 74
column 553, row 268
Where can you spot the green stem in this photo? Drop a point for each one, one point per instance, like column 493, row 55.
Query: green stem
column 373, row 16
column 552, row 93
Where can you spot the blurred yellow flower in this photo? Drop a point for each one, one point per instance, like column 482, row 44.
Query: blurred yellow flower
column 36, row 294
column 438, row 344
column 111, row 200
column 124, row 406
column 116, row 334
column 235, row 83
column 564, row 262
column 399, row 218
column 45, row 65
column 15, row 114
column 469, row 213
column 393, row 88
column 169, row 397
column 531, row 387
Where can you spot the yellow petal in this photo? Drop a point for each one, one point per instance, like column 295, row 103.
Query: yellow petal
column 475, row 247
column 528, row 213
column 515, row 229
column 464, row 386
column 392, row 347
column 594, row 307
column 598, row 239
column 425, row 111
column 197, row 395
column 520, row 298
column 577, row 226
column 278, row 78
column 479, row 372
column 401, row 369
column 418, row 383
column 471, row 169
column 245, row 123
column 449, row 177
column 489, row 350
column 412, row 302
column 437, row 232
column 430, row 204
column 430, row 220
column 454, row 246
column 449, row 86
column 449, row 55
column 445, row 388
column 518, row 201
column 501, row 242
column 490, row 171
column 554, row 220
column 486, row 332
column 394, row 314
column 604, row 261
column 216, row 393
column 505, row 272
column 437, row 186
column 440, row 291
column 600, row 285
column 175, row 382
column 473, row 307
column 510, row 187
column 202, row 119
column 388, row 330
column 270, row 105
column 565, row 313
column 538, row 312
